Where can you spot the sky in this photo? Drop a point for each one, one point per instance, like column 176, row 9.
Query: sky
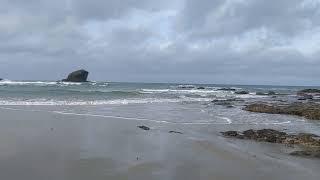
column 273, row 42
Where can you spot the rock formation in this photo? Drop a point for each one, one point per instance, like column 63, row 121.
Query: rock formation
column 77, row 76
column 308, row 110
column 310, row 142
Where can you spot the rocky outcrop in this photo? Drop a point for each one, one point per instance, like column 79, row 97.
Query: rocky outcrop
column 77, row 76
column 242, row 92
column 1, row 79
column 226, row 89
column 309, row 91
column 310, row 143
column 308, row 110
column 201, row 88
column 308, row 94
column 269, row 93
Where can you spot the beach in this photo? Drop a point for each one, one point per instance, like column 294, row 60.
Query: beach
column 43, row 143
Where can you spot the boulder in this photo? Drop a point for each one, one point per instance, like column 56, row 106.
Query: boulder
column 201, row 88
column 308, row 110
column 1, row 79
column 77, row 76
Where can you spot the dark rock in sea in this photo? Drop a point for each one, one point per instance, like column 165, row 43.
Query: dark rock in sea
column 309, row 91
column 227, row 102
column 308, row 110
column 305, row 97
column 144, row 128
column 1, row 79
column 226, row 89
column 201, row 88
column 241, row 92
column 269, row 93
column 77, row 76
column 175, row 132
column 309, row 142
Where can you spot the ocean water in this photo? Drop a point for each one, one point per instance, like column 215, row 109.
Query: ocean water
column 183, row 106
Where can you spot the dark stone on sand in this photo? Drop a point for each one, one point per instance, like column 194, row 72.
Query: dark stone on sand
column 77, row 76
column 242, row 92
column 226, row 89
column 308, row 110
column 175, row 132
column 201, row 88
column 144, row 128
column 230, row 133
column 309, row 142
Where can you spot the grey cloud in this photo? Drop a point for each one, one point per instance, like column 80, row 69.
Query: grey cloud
column 211, row 41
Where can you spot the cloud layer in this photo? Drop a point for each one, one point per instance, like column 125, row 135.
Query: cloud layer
column 207, row 41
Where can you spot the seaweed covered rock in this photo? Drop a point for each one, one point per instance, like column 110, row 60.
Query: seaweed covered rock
column 308, row 110
column 310, row 143
column 77, row 76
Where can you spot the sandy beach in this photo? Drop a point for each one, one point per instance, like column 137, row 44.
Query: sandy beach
column 45, row 144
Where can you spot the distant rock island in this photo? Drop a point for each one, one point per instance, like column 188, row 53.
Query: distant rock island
column 77, row 76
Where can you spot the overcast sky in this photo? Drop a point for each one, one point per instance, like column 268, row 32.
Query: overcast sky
column 204, row 41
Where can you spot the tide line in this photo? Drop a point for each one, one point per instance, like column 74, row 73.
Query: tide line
column 115, row 117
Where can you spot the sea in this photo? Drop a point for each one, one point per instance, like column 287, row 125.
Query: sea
column 212, row 107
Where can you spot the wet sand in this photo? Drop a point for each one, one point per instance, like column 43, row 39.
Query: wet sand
column 43, row 145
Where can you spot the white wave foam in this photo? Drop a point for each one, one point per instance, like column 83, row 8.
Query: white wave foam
column 228, row 120
column 50, row 102
column 186, row 86
column 8, row 82
column 186, row 91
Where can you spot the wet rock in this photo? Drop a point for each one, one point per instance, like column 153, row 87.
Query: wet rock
column 144, row 128
column 308, row 110
column 175, row 132
column 1, row 79
column 241, row 92
column 201, row 88
column 310, row 143
column 304, row 97
column 77, row 76
column 270, row 93
column 226, row 89
column 231, row 133
column 309, row 91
